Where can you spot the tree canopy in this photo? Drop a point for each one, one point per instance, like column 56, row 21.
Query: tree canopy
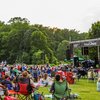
column 37, row 44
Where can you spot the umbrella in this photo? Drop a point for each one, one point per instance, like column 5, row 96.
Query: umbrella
column 88, row 63
column 80, row 59
column 16, row 71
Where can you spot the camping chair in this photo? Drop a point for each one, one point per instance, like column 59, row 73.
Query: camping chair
column 19, row 95
column 65, row 98
column 38, row 96
column 23, row 88
column 8, row 95
column 23, row 92
column 72, row 96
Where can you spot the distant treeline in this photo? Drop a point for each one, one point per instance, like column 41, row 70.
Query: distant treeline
column 36, row 44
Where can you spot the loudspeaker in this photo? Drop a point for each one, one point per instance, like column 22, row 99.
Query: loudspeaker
column 76, row 62
column 68, row 54
column 96, row 61
column 85, row 51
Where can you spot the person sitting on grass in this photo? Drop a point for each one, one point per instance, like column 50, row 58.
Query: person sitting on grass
column 59, row 89
column 7, row 83
column 24, row 79
column 46, row 80
column 2, row 90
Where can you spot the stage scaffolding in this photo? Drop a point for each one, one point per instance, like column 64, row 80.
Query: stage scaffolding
column 87, row 43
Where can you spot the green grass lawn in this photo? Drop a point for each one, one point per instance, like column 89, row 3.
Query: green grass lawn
column 85, row 89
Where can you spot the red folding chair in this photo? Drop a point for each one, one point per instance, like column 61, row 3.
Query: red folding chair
column 23, row 93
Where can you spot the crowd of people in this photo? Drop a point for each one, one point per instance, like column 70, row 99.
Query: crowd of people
column 43, row 75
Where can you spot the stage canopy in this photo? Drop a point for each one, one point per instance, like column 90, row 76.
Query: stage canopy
column 85, row 43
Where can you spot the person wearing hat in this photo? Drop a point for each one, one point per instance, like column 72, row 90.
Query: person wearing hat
column 26, row 79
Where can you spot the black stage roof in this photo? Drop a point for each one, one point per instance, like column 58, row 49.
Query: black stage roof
column 85, row 43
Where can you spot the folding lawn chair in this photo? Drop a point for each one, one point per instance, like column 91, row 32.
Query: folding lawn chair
column 23, row 93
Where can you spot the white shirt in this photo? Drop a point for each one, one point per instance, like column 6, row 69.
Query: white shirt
column 98, row 86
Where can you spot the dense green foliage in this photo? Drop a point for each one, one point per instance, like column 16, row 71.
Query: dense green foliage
column 94, row 32
column 36, row 44
column 22, row 42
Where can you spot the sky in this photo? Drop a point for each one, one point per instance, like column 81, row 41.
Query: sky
column 71, row 14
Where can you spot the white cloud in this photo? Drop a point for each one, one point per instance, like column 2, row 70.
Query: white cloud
column 92, row 15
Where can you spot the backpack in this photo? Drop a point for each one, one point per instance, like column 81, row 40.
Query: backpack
column 38, row 96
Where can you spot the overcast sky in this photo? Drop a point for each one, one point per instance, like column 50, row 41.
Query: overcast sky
column 71, row 14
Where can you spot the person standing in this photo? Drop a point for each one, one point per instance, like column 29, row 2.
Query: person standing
column 98, row 85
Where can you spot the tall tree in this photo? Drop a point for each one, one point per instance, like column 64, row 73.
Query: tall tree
column 61, row 51
column 94, row 31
